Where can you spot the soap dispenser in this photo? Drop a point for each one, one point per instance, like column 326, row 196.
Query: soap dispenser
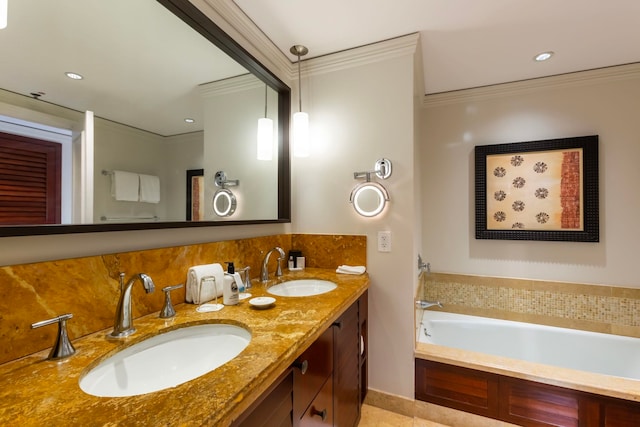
column 230, row 286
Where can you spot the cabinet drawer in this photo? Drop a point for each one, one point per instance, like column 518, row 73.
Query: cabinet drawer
column 320, row 412
column 273, row 408
column 318, row 362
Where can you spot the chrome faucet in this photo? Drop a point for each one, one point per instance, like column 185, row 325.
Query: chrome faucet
column 426, row 304
column 123, row 325
column 264, row 273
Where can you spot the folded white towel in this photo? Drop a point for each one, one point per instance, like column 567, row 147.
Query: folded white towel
column 149, row 188
column 199, row 291
column 349, row 269
column 125, row 186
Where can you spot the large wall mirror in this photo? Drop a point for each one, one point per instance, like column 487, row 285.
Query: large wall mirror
column 157, row 91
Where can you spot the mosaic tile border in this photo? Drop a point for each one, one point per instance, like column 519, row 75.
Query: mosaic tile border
column 595, row 308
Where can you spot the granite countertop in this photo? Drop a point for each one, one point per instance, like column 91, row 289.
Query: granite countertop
column 36, row 391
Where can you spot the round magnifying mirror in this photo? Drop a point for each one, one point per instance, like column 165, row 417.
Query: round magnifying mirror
column 369, row 198
column 224, row 202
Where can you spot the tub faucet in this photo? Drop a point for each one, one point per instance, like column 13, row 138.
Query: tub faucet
column 426, row 304
column 264, row 273
column 123, row 325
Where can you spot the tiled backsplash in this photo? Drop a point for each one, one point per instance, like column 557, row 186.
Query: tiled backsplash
column 89, row 287
column 595, row 308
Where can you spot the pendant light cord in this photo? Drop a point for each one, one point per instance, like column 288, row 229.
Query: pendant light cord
column 265, row 100
column 299, row 86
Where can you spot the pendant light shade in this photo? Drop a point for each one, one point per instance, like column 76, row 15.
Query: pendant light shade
column 265, row 133
column 301, row 134
column 265, row 139
column 4, row 11
column 301, row 143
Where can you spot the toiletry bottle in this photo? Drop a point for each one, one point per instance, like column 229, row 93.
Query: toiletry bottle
column 231, row 269
column 290, row 265
column 230, row 287
column 295, row 254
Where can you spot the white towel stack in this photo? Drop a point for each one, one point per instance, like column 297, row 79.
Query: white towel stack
column 149, row 188
column 125, row 186
column 198, row 293
column 349, row 269
column 133, row 187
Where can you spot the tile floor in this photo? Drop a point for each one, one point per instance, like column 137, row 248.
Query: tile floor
column 376, row 417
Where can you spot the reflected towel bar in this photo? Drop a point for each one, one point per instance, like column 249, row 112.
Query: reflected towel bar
column 121, row 218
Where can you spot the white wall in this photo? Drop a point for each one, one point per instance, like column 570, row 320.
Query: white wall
column 28, row 249
column 231, row 109
column 121, row 147
column 359, row 113
column 182, row 153
column 604, row 102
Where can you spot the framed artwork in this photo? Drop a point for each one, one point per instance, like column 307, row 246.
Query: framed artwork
column 538, row 190
column 195, row 195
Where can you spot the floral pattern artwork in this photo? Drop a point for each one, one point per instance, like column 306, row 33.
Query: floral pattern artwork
column 534, row 190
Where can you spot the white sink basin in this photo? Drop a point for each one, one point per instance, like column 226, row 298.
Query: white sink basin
column 166, row 360
column 302, row 288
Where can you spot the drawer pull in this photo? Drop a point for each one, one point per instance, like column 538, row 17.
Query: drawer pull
column 303, row 366
column 322, row 414
column 337, row 325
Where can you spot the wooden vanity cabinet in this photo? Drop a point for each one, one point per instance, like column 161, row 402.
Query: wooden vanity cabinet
column 346, row 368
column 321, row 412
column 274, row 408
column 311, row 371
column 326, row 385
column 346, row 384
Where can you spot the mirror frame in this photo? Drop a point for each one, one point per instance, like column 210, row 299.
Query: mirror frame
column 192, row 16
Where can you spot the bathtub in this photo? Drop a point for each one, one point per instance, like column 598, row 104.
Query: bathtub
column 598, row 353
column 522, row 373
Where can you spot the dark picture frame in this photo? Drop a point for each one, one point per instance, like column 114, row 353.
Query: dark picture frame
column 195, row 180
column 538, row 190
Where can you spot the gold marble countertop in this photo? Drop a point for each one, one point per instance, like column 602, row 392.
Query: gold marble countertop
column 35, row 391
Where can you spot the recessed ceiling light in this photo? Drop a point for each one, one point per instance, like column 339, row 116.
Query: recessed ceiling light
column 74, row 76
column 543, row 56
column 189, row 120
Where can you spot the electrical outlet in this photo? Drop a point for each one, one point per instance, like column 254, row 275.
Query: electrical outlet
column 384, row 241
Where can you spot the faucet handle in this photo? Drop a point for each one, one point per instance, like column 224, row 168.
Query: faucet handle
column 62, row 347
column 167, row 310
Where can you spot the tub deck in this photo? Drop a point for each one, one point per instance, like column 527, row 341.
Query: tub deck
column 521, row 392
column 612, row 386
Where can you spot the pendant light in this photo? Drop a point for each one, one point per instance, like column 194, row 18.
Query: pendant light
column 4, row 12
column 300, row 119
column 265, row 133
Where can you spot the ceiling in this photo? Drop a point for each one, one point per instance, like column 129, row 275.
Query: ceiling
column 141, row 65
column 465, row 43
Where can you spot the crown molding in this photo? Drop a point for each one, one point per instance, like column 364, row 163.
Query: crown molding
column 233, row 21
column 230, row 85
column 580, row 78
column 375, row 52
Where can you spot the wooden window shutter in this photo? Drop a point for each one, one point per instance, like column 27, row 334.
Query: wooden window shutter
column 30, row 180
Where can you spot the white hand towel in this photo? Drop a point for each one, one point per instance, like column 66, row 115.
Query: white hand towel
column 149, row 188
column 348, row 269
column 195, row 293
column 125, row 186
